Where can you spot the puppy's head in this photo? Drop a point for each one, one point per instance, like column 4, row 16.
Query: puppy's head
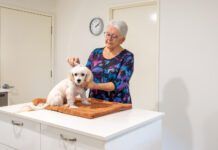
column 80, row 74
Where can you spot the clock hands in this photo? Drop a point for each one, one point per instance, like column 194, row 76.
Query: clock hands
column 97, row 25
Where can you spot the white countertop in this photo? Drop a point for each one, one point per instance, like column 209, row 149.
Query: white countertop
column 102, row 128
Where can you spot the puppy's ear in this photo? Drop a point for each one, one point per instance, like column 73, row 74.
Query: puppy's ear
column 89, row 75
column 70, row 74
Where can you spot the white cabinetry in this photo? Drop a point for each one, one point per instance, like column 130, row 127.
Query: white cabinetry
column 134, row 129
column 19, row 133
column 58, row 139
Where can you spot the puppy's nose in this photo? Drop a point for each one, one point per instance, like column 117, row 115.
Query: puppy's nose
column 78, row 80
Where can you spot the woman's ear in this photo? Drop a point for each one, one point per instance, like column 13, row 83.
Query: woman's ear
column 122, row 40
column 89, row 75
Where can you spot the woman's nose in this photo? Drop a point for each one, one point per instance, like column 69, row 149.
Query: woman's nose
column 110, row 38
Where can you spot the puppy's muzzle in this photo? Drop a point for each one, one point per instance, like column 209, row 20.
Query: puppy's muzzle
column 78, row 80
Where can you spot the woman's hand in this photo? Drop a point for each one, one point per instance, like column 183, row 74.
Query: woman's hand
column 73, row 61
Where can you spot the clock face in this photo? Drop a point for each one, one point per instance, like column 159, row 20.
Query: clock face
column 96, row 26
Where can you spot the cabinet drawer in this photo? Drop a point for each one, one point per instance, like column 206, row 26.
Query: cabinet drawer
column 60, row 139
column 19, row 133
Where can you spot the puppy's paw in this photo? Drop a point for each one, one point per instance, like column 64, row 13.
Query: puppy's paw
column 86, row 102
column 66, row 105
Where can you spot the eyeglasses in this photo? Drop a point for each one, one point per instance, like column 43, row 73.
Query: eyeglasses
column 109, row 35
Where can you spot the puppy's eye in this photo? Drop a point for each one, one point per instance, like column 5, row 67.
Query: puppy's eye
column 82, row 74
column 75, row 74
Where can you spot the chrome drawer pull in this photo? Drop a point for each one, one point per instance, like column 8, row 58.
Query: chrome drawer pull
column 17, row 123
column 67, row 139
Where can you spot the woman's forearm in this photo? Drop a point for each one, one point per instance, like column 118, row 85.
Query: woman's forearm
column 109, row 86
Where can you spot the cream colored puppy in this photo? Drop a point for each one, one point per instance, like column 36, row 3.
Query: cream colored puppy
column 69, row 88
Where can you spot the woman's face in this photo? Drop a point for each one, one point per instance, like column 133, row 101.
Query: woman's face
column 113, row 38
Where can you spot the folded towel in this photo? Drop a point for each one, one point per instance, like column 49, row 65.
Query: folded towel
column 97, row 108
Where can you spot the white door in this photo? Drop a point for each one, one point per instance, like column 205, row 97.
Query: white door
column 142, row 40
column 25, row 54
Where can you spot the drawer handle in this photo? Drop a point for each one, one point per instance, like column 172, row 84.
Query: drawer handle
column 67, row 139
column 17, row 123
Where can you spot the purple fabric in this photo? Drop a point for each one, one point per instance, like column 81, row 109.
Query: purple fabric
column 117, row 70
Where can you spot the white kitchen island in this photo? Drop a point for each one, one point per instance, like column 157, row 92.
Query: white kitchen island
column 134, row 129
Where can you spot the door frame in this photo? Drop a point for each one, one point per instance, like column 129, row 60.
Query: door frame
column 52, row 34
column 138, row 4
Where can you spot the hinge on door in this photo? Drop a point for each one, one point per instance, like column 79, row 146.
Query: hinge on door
column 51, row 73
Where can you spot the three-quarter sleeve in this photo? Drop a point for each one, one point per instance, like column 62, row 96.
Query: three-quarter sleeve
column 124, row 74
column 89, row 61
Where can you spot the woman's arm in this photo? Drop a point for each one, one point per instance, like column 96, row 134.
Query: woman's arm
column 109, row 86
column 122, row 80
column 125, row 73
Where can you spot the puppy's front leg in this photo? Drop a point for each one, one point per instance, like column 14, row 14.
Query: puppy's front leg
column 84, row 99
column 70, row 102
column 70, row 99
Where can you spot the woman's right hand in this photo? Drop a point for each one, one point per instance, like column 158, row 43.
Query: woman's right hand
column 73, row 61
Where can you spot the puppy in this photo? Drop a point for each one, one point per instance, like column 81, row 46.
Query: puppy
column 69, row 88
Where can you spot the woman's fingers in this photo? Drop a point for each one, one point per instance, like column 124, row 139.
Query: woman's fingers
column 73, row 61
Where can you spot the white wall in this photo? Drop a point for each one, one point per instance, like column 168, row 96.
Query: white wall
column 72, row 30
column 188, row 89
column 48, row 6
column 189, row 73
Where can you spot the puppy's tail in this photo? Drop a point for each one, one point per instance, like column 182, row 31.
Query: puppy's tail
column 36, row 104
column 38, row 107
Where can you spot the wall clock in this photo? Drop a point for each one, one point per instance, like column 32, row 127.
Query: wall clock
column 96, row 26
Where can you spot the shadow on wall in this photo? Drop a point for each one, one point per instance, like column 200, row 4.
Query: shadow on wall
column 211, row 132
column 177, row 132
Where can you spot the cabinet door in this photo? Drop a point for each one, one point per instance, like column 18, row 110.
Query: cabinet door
column 54, row 139
column 19, row 133
column 58, row 139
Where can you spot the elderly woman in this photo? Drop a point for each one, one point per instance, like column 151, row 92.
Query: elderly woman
column 112, row 66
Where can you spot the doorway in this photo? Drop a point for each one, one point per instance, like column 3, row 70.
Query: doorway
column 25, row 54
column 142, row 39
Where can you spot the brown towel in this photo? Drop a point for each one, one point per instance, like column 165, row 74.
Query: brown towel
column 97, row 108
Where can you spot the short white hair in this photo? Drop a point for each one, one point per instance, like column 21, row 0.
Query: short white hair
column 120, row 25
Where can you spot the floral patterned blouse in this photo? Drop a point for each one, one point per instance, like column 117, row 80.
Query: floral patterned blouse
column 117, row 70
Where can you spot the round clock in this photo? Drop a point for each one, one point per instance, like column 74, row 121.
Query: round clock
column 96, row 26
